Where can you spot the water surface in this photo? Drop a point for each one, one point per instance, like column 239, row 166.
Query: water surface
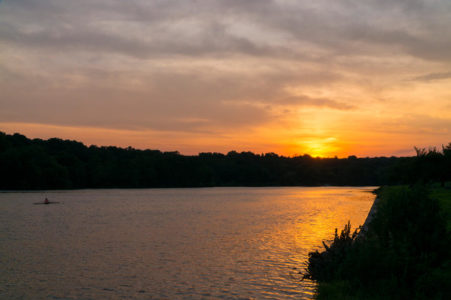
column 231, row 243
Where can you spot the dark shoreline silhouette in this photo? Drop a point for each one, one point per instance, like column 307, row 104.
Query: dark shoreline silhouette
column 30, row 164
column 402, row 250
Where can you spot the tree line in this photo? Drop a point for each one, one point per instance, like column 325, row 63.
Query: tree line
column 64, row 164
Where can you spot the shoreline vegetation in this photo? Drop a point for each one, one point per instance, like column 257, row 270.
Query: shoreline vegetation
column 403, row 254
column 36, row 164
column 402, row 251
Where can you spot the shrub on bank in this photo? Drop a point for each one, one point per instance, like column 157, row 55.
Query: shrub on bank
column 403, row 255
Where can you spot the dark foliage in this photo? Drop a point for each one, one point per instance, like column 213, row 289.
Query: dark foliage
column 323, row 265
column 403, row 255
column 62, row 164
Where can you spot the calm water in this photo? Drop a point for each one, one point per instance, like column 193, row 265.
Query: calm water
column 169, row 243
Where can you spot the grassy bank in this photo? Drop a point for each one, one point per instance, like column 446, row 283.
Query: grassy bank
column 405, row 253
column 443, row 196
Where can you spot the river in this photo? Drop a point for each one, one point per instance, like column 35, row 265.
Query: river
column 207, row 243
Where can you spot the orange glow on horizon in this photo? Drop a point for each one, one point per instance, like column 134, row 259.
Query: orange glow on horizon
column 323, row 147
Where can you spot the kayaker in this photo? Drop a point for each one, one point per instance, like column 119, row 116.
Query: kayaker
column 46, row 201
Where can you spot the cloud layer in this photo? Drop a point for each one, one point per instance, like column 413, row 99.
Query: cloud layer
column 277, row 70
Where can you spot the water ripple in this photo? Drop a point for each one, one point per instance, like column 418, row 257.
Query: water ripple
column 226, row 243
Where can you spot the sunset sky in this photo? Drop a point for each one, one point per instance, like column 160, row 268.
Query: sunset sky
column 343, row 77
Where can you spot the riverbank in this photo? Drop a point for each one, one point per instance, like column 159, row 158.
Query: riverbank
column 403, row 254
column 370, row 216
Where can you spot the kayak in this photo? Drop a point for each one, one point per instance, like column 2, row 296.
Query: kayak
column 45, row 203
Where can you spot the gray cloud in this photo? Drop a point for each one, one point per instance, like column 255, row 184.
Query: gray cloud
column 193, row 28
column 85, row 53
column 318, row 102
column 420, row 125
column 166, row 99
column 433, row 76
column 213, row 41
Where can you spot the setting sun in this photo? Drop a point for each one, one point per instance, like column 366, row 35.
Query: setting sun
column 321, row 147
